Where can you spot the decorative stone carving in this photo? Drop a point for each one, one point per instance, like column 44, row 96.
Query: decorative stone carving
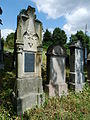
column 56, row 71
column 28, row 90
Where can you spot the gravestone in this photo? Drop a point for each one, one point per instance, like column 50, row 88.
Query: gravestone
column 56, row 85
column 77, row 78
column 88, row 67
column 28, row 90
column 1, row 53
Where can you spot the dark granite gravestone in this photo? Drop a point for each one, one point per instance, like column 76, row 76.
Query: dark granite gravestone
column 76, row 81
column 29, row 62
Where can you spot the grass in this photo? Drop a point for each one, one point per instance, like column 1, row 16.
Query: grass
column 74, row 106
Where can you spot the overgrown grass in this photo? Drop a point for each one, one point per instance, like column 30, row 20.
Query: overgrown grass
column 74, row 106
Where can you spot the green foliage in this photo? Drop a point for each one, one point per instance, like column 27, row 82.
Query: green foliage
column 83, row 38
column 76, row 106
column 59, row 36
column 10, row 41
column 47, row 39
column 0, row 14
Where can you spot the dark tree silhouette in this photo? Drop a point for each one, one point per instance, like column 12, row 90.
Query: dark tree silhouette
column 0, row 14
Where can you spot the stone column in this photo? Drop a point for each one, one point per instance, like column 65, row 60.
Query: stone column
column 19, row 60
column 77, row 78
column 88, row 68
column 39, row 60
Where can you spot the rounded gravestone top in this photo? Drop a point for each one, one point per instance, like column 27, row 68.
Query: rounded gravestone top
column 56, row 49
column 89, row 56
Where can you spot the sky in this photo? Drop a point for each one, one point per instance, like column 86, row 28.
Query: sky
column 69, row 15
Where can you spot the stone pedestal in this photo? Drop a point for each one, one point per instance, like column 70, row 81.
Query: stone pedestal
column 58, row 89
column 56, row 71
column 77, row 78
column 28, row 90
column 88, row 68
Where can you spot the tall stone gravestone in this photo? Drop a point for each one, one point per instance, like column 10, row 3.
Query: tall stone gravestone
column 1, row 53
column 56, row 71
column 28, row 90
column 88, row 67
column 77, row 78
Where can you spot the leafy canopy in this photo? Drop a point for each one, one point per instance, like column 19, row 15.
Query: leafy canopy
column 0, row 14
column 59, row 36
column 10, row 41
column 85, row 39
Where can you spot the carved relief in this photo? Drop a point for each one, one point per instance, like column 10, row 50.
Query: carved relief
column 30, row 41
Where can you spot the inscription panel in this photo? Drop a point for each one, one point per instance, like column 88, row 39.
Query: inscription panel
column 29, row 62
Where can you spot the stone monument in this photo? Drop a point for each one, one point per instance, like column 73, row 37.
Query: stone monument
column 77, row 78
column 1, row 53
column 28, row 90
column 88, row 67
column 56, row 71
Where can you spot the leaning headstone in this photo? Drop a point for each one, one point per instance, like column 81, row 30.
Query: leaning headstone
column 88, row 67
column 1, row 53
column 77, row 78
column 28, row 90
column 56, row 85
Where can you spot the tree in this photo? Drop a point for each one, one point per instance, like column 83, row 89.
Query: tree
column 10, row 41
column 59, row 36
column 47, row 38
column 85, row 39
column 0, row 14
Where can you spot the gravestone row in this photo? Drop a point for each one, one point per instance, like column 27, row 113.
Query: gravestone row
column 28, row 89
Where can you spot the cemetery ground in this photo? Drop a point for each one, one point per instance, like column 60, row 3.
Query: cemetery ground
column 74, row 106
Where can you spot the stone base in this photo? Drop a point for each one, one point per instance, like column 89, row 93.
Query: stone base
column 21, row 104
column 1, row 66
column 57, row 89
column 27, row 94
column 76, row 87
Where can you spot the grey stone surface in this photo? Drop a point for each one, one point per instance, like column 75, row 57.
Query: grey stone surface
column 88, row 67
column 56, row 71
column 28, row 90
column 77, row 78
column 1, row 53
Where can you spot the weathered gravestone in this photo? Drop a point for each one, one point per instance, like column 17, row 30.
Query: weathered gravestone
column 77, row 78
column 56, row 71
column 1, row 53
column 28, row 89
column 88, row 67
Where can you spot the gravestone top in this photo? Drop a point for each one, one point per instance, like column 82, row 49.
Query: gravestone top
column 29, row 30
column 76, row 44
column 56, row 50
column 88, row 57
